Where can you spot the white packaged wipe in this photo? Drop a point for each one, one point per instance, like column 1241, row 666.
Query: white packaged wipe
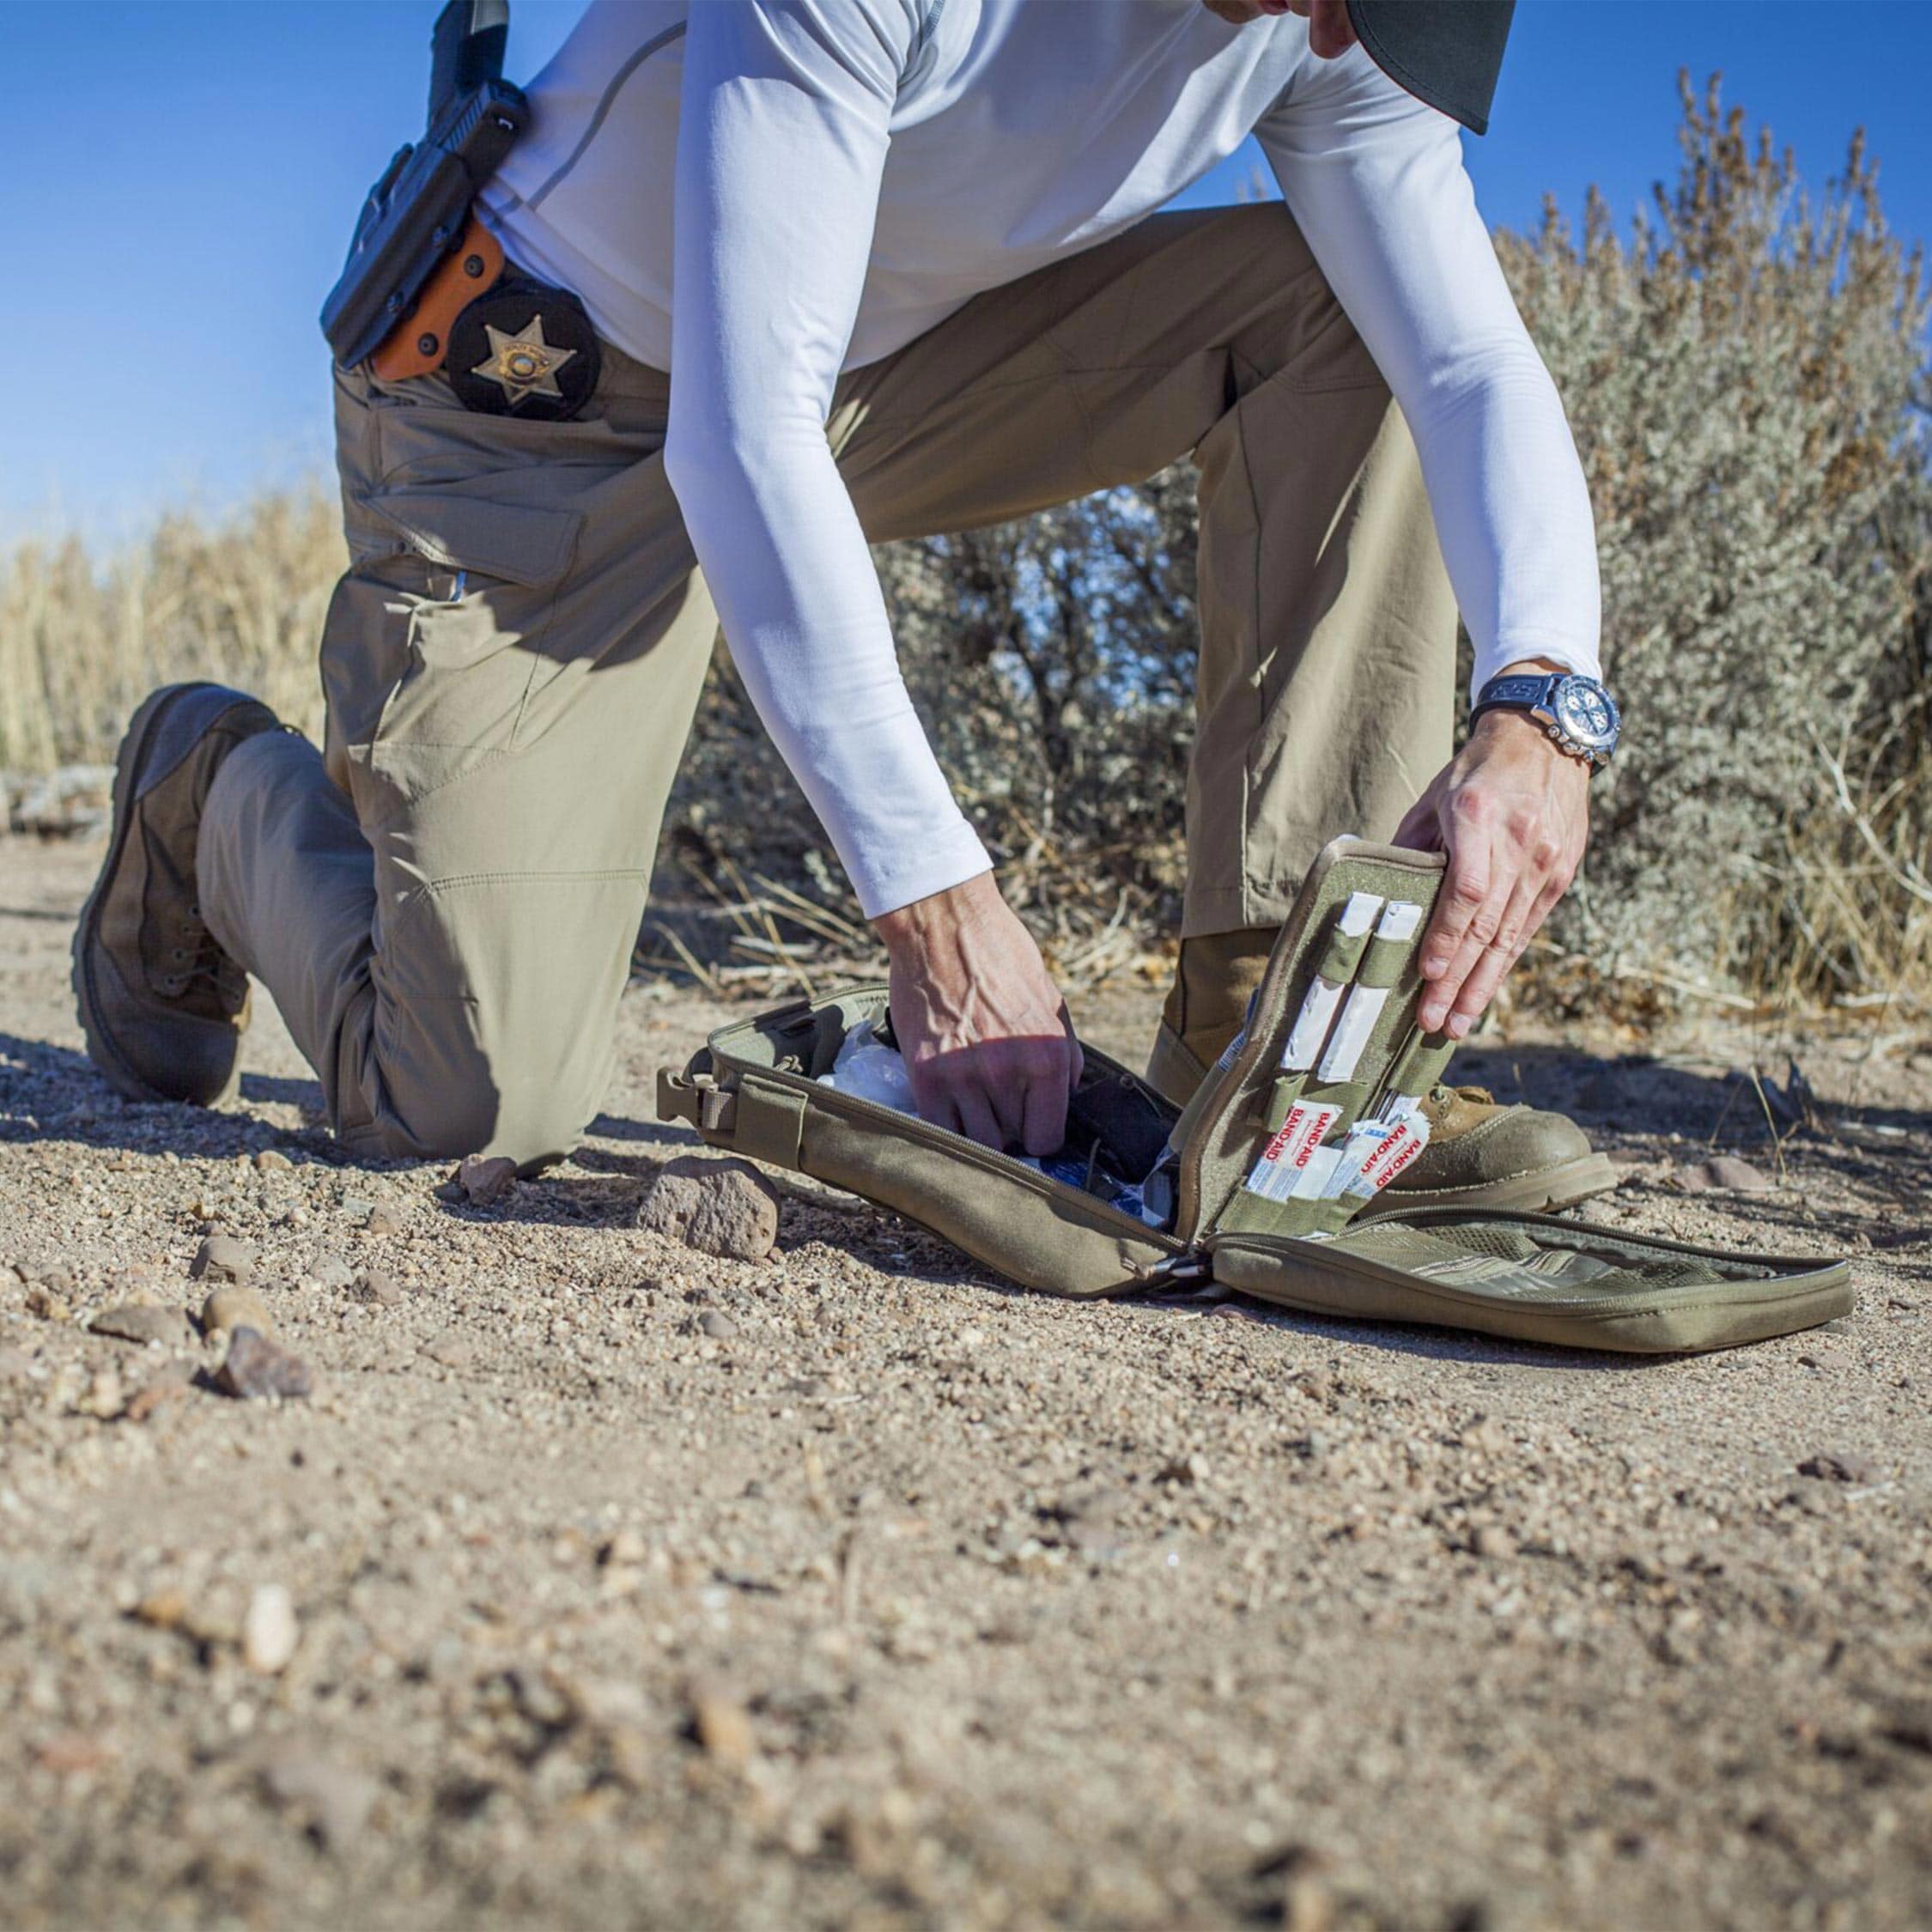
column 1331, row 982
column 1399, row 921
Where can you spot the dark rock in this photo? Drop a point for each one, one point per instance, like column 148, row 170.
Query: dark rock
column 258, row 1368
column 1840, row 1466
column 134, row 1322
column 222, row 1258
column 722, row 1207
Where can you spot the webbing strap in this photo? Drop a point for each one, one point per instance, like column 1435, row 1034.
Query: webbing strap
column 770, row 1124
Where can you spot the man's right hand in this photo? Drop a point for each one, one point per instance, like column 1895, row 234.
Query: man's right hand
column 980, row 1024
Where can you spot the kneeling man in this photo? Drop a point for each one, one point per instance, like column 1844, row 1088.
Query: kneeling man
column 787, row 277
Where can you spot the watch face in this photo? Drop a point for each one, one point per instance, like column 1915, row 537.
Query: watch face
column 1586, row 713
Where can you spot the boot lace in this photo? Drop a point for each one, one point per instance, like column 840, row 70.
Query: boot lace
column 197, row 966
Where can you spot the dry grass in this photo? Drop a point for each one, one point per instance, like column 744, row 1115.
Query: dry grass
column 239, row 598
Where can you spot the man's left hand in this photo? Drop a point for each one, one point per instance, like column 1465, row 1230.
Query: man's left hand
column 1512, row 812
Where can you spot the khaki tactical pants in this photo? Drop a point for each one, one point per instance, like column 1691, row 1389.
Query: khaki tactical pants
column 444, row 901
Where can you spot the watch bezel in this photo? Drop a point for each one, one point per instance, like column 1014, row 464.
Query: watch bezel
column 1564, row 692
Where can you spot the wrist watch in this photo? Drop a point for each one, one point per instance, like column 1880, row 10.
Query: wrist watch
column 1578, row 713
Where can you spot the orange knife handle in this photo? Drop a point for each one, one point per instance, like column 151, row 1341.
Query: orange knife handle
column 418, row 343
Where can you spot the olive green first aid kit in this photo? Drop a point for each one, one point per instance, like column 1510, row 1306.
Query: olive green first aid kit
column 1269, row 1168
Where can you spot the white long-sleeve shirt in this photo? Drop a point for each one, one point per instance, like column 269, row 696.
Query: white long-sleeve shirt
column 758, row 195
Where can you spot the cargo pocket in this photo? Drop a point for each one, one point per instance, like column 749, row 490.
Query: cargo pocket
column 485, row 579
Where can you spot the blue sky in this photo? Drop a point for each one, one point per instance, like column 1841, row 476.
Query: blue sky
column 183, row 177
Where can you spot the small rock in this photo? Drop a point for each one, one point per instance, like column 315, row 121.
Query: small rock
column 130, row 1321
column 222, row 1258
column 1840, row 1466
column 1494, row 1542
column 331, row 1270
column 26, row 1589
column 268, row 1160
column 70, row 1754
column 384, row 1221
column 44, row 1302
column 171, row 1380
column 716, row 1324
column 382, row 1290
column 1090, row 1518
column 106, row 1398
column 166, row 1608
column 269, row 1632
column 627, row 1546
column 1489, row 1435
column 256, row 1369
column 1738, row 1177
column 236, row 1306
column 485, row 1180
column 1183, row 1470
column 722, row 1207
column 1815, row 1496
column 335, row 1800
column 452, row 1348
column 722, row 1726
column 355, row 1208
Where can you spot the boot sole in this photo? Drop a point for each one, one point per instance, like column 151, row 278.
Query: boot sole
column 101, row 1048
column 1543, row 1191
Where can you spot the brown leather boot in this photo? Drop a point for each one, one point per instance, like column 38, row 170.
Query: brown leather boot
column 1479, row 1154
column 163, row 1006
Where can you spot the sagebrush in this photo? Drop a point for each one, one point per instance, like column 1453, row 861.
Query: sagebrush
column 1745, row 368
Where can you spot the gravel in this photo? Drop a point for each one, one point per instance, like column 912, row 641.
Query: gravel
column 918, row 1602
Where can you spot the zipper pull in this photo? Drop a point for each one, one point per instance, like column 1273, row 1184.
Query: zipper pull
column 1191, row 1270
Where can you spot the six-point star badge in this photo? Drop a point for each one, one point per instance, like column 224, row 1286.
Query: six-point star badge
column 523, row 349
column 523, row 363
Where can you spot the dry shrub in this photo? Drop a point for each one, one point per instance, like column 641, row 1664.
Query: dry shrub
column 1746, row 376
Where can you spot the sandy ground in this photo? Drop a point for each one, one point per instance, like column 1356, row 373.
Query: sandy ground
column 852, row 1588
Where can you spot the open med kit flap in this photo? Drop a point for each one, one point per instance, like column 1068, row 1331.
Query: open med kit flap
column 1261, row 1181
